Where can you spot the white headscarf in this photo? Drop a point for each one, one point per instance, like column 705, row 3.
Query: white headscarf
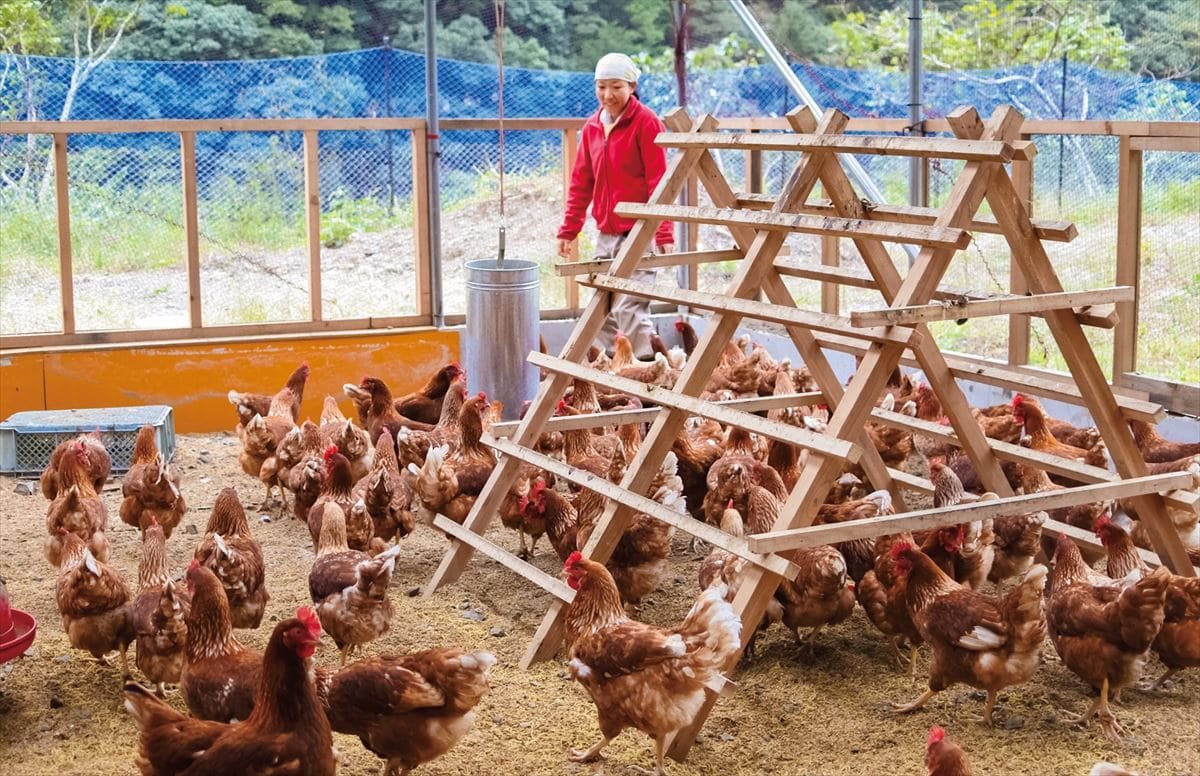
column 617, row 66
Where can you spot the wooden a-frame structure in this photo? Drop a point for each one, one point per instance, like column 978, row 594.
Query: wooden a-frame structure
column 880, row 337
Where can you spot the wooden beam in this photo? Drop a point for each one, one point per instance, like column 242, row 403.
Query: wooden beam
column 312, row 212
column 191, row 226
column 781, row 221
column 924, row 519
column 1172, row 394
column 650, row 262
column 751, row 309
column 1177, row 144
column 771, row 429
column 1055, row 231
column 929, row 147
column 570, row 150
column 1089, row 540
column 831, row 256
column 175, row 126
column 62, row 211
column 681, row 520
column 423, row 259
column 1018, row 325
column 1129, row 254
column 1006, row 305
column 552, row 585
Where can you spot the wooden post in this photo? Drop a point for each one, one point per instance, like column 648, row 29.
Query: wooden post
column 1129, row 256
column 1018, row 325
column 62, row 204
column 570, row 149
column 830, row 257
column 191, row 226
column 420, row 199
column 754, row 170
column 312, row 207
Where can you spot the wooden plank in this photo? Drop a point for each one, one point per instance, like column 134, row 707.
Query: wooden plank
column 1176, row 144
column 1055, row 231
column 570, row 150
column 881, row 145
column 62, row 211
column 535, row 124
column 931, row 236
column 750, row 309
column 191, row 226
column 312, row 213
column 1088, row 539
column 771, row 429
column 650, row 262
column 681, row 520
column 552, row 585
column 648, row 414
column 924, row 519
column 1176, row 396
column 1006, row 305
column 1018, row 325
column 421, row 223
column 831, row 256
column 175, row 126
column 1129, row 254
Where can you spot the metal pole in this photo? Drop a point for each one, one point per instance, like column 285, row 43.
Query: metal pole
column 1062, row 114
column 682, row 232
column 917, row 195
column 387, row 111
column 433, row 155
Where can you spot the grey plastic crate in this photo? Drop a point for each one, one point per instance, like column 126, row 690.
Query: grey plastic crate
column 28, row 438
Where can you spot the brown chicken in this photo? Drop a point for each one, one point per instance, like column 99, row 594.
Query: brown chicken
column 1015, row 543
column 413, row 444
column 696, row 458
column 420, row 409
column 1102, row 628
column 1030, row 413
column 301, row 465
column 260, row 440
column 1002, row 425
column 219, row 675
column 338, row 489
column 349, row 588
column 556, row 515
column 657, row 371
column 353, row 441
column 158, row 614
column 987, row 642
column 859, row 553
column 883, row 593
column 893, row 444
column 287, row 733
column 385, row 496
column 450, row 482
column 688, row 339
column 821, row 594
column 1157, row 449
column 151, row 487
column 235, row 557
column 407, row 709
column 77, row 508
column 289, row 396
column 93, row 600
column 638, row 675
column 1178, row 642
column 943, row 757
column 98, row 463
column 515, row 512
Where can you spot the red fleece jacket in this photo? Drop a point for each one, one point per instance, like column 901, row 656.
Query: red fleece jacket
column 624, row 167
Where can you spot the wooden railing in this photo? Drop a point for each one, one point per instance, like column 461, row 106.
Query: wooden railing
column 1135, row 138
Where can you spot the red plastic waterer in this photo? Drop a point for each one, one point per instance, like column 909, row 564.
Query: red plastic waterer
column 17, row 628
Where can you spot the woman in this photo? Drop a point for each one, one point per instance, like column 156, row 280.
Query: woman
column 617, row 162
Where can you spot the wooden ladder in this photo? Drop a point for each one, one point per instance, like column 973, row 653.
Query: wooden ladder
column 881, row 338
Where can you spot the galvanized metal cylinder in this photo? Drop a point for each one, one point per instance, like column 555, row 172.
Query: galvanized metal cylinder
column 502, row 328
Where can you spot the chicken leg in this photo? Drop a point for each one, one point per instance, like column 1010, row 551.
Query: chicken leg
column 1100, row 710
column 660, row 746
column 904, row 708
column 591, row 754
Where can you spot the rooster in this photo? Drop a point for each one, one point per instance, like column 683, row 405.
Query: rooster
column 983, row 641
column 235, row 556
column 158, row 614
column 287, row 732
column 151, row 487
column 638, row 675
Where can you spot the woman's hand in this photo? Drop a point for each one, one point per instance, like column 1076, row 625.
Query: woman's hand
column 666, row 248
column 564, row 248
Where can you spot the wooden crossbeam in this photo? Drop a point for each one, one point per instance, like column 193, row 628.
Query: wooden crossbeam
column 748, row 308
column 1008, row 305
column 1053, row 231
column 567, row 269
column 552, row 585
column 715, row 536
column 923, row 519
column 780, row 221
column 1088, row 539
column 772, row 429
column 880, row 145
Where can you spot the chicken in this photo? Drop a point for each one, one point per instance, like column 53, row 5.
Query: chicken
column 219, row 675
column 638, row 675
column 450, row 482
column 654, row 372
column 515, row 512
column 98, row 463
column 859, row 553
column 158, row 614
column 260, row 440
column 688, row 339
column 883, row 593
column 987, row 642
column 412, row 445
column 1030, row 412
column 302, row 467
column 288, row 731
column 407, row 709
column 385, row 496
column 741, row 376
column 235, row 557
column 943, row 757
column 1015, row 543
column 151, row 487
column 338, row 489
column 1178, row 642
column 354, row 442
column 288, row 397
column 93, row 600
column 555, row 513
column 1101, row 628
column 1156, row 449
column 77, row 508
column 821, row 594
column 349, row 588
column 967, row 551
column 420, row 409
column 1002, row 425
column 893, row 444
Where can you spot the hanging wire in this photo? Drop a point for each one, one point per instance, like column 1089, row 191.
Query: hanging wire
column 499, row 7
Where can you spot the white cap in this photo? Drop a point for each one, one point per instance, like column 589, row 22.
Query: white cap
column 617, row 66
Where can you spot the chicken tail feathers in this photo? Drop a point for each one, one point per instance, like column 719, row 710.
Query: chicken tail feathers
column 146, row 708
column 1141, row 609
column 1023, row 608
column 713, row 625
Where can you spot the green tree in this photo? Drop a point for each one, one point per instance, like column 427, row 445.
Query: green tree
column 194, row 30
column 1164, row 35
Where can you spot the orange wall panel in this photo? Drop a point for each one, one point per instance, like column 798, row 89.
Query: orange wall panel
column 21, row 383
column 195, row 378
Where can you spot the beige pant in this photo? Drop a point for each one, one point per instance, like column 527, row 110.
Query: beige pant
column 629, row 314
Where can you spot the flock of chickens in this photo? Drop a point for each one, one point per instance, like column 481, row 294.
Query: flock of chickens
column 978, row 594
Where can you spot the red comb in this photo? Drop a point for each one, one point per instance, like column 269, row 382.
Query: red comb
column 573, row 560
column 195, row 564
column 307, row 616
column 1017, row 399
column 898, row 548
column 330, row 452
column 936, row 734
column 679, row 325
column 482, row 396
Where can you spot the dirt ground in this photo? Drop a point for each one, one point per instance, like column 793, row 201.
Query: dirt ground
column 61, row 713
